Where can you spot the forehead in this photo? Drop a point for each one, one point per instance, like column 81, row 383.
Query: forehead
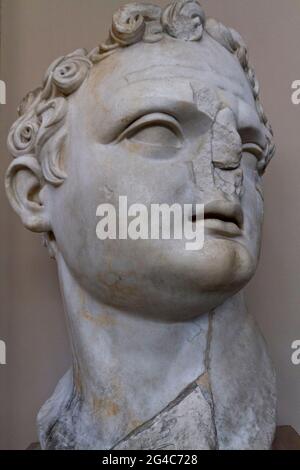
column 145, row 77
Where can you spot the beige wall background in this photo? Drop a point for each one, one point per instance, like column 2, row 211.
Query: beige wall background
column 33, row 33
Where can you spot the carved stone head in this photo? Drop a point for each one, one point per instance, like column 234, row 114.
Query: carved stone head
column 167, row 111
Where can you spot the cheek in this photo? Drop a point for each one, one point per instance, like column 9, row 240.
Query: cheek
column 73, row 207
column 142, row 180
column 100, row 175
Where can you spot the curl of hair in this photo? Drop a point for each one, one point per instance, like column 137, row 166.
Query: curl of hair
column 42, row 115
column 184, row 19
column 39, row 131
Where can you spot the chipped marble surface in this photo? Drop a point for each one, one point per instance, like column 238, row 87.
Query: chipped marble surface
column 186, row 424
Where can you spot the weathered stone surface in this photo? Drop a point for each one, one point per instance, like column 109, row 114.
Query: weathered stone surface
column 242, row 380
column 165, row 112
column 186, row 424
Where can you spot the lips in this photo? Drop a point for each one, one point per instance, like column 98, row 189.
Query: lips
column 223, row 217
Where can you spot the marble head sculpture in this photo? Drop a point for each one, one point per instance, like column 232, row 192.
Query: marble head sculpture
column 165, row 355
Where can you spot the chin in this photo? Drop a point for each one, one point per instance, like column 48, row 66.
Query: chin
column 225, row 265
column 208, row 278
column 183, row 285
column 221, row 265
column 173, row 284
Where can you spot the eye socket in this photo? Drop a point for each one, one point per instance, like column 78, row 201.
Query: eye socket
column 156, row 129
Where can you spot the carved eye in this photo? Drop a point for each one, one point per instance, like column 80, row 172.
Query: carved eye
column 157, row 130
column 156, row 135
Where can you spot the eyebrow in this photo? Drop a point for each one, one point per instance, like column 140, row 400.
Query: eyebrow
column 172, row 108
column 151, row 99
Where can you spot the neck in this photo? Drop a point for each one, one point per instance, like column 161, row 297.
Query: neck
column 126, row 370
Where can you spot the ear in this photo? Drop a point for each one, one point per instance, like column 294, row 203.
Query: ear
column 23, row 184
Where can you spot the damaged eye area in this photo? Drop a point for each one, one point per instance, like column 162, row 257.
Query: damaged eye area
column 156, row 129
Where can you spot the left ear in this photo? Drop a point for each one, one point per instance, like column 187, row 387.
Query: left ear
column 23, row 184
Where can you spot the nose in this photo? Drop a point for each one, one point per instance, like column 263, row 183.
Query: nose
column 216, row 167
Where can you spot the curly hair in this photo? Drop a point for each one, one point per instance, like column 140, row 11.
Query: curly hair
column 42, row 112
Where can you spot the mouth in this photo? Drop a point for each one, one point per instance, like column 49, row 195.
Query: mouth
column 222, row 217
